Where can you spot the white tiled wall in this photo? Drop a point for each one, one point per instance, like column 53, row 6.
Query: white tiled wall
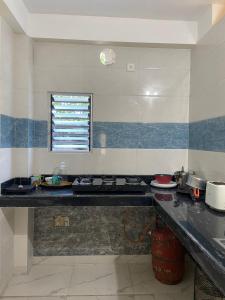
column 208, row 164
column 6, row 245
column 207, row 96
column 158, row 91
column 16, row 76
column 23, row 98
column 16, row 95
column 6, row 90
column 114, row 161
column 22, row 157
column 23, row 76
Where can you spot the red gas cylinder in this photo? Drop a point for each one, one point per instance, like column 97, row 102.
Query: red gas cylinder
column 167, row 256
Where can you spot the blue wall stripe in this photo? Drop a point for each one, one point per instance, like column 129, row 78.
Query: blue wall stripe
column 208, row 135
column 140, row 135
column 22, row 133
column 7, row 131
column 40, row 134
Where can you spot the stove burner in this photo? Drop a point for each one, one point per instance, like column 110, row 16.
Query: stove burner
column 133, row 180
column 85, row 181
column 109, row 183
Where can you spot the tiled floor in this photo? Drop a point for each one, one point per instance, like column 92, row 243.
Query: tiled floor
column 95, row 278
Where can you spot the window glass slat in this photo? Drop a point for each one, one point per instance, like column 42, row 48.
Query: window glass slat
column 71, row 106
column 71, row 138
column 69, row 114
column 70, row 122
column 71, row 98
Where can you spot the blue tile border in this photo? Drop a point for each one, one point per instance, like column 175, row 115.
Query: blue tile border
column 6, row 131
column 27, row 133
column 20, row 133
column 40, row 134
column 23, row 133
column 207, row 135
column 140, row 135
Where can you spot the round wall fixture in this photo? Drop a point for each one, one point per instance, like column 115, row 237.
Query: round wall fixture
column 107, row 57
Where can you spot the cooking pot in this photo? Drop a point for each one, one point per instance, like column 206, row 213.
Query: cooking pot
column 198, row 186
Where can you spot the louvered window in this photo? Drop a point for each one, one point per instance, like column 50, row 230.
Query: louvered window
column 71, row 122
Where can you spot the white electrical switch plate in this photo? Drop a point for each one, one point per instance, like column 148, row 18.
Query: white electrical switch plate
column 130, row 67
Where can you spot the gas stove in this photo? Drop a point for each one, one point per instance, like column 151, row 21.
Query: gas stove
column 110, row 184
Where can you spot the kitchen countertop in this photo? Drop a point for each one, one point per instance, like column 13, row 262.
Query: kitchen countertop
column 65, row 197
column 197, row 226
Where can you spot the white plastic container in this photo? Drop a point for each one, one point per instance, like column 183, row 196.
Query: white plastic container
column 215, row 195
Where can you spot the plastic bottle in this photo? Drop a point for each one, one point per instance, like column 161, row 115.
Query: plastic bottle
column 62, row 168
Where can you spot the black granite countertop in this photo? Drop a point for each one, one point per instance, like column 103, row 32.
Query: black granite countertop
column 65, row 197
column 196, row 225
column 47, row 196
column 199, row 228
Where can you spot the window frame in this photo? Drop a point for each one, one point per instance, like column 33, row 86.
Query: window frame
column 50, row 98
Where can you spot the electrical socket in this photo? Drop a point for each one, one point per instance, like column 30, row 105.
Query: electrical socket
column 130, row 67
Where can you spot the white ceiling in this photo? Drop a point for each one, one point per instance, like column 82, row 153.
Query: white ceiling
column 148, row 9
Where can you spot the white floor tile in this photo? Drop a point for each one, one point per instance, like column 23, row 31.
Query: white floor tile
column 116, row 297
column 134, row 259
column 34, row 298
column 82, row 298
column 144, row 297
column 113, row 277
column 144, row 281
column 91, row 259
column 44, row 298
column 176, row 296
column 100, row 279
column 164, row 296
column 41, row 281
column 105, row 297
column 14, row 298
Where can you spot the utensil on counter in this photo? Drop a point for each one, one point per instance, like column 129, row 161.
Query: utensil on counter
column 36, row 180
column 215, row 195
column 48, row 180
column 61, row 185
column 56, row 179
column 196, row 182
column 163, row 178
column 17, row 186
column 169, row 185
column 181, row 178
column 198, row 186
